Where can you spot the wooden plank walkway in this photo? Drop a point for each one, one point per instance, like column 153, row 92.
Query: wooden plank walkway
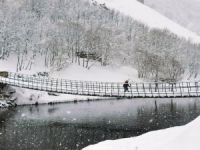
column 107, row 89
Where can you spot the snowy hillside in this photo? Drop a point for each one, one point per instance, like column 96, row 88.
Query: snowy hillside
column 149, row 16
column 184, row 12
column 90, row 34
column 177, row 138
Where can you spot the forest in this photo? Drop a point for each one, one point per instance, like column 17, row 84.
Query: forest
column 84, row 32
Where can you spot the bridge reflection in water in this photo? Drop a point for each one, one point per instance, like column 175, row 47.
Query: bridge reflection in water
column 107, row 89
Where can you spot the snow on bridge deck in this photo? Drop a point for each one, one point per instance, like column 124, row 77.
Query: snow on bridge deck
column 107, row 89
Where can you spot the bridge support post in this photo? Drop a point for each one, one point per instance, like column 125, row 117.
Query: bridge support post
column 137, row 90
column 197, row 89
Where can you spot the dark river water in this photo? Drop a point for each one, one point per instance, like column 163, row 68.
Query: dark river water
column 73, row 126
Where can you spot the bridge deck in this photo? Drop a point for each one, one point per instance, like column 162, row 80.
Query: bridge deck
column 107, row 89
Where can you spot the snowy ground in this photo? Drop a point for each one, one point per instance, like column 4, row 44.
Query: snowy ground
column 98, row 73
column 177, row 138
column 76, row 72
column 26, row 96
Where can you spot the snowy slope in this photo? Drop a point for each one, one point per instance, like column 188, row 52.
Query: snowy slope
column 149, row 17
column 76, row 72
column 184, row 12
column 177, row 138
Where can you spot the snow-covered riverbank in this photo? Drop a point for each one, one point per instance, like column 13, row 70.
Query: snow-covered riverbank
column 177, row 138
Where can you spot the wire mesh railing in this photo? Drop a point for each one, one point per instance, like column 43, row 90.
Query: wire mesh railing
column 108, row 89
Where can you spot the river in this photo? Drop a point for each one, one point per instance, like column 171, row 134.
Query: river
column 72, row 126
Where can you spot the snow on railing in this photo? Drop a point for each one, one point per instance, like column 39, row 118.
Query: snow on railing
column 108, row 89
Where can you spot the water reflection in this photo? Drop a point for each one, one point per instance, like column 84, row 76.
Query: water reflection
column 74, row 126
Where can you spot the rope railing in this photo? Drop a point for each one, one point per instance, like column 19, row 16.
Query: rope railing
column 108, row 89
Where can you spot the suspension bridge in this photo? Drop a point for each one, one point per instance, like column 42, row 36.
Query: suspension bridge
column 102, row 89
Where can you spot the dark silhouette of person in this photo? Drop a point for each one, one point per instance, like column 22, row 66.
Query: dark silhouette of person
column 126, row 85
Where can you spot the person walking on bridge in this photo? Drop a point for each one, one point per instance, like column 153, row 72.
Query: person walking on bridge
column 125, row 86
